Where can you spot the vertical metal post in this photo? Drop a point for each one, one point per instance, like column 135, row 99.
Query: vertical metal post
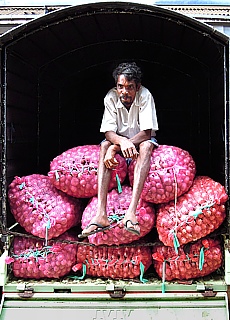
column 227, row 131
column 3, row 189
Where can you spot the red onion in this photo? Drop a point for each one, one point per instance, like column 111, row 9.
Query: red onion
column 40, row 208
column 117, row 205
column 75, row 171
column 171, row 174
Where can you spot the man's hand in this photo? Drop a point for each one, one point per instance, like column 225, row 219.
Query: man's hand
column 128, row 149
column 109, row 160
column 123, row 144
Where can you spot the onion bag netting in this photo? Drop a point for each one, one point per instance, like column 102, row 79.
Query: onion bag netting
column 172, row 171
column 192, row 261
column 117, row 205
column 113, row 262
column 75, row 171
column 31, row 258
column 40, row 208
column 194, row 215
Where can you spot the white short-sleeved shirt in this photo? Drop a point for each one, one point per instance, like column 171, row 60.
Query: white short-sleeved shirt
column 141, row 115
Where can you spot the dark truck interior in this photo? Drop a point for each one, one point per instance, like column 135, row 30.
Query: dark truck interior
column 56, row 70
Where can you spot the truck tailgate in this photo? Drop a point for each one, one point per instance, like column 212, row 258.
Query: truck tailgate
column 101, row 306
column 114, row 299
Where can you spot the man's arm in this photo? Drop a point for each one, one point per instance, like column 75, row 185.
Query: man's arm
column 141, row 136
column 125, row 145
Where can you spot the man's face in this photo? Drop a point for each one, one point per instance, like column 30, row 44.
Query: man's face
column 126, row 90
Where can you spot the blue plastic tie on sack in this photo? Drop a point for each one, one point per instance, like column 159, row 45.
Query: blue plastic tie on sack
column 163, row 277
column 83, row 274
column 118, row 184
column 142, row 269
column 199, row 210
column 32, row 200
column 115, row 217
column 21, row 186
column 201, row 258
column 48, row 226
column 175, row 242
column 34, row 253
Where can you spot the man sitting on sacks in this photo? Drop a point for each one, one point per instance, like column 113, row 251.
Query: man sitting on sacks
column 129, row 123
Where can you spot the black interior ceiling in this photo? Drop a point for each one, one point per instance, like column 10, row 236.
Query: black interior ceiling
column 58, row 70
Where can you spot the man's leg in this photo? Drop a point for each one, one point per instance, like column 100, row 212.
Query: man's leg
column 140, row 173
column 104, row 176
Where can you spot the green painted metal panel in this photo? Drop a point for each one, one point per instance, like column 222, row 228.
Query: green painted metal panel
column 178, row 306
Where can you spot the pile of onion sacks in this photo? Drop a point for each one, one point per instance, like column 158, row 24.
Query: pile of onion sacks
column 179, row 207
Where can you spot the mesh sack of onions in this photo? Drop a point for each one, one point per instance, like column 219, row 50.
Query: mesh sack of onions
column 40, row 208
column 117, row 205
column 75, row 171
column 172, row 171
column 194, row 215
column 192, row 261
column 31, row 258
column 113, row 262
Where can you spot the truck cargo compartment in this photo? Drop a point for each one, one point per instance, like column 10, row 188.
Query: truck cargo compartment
column 55, row 72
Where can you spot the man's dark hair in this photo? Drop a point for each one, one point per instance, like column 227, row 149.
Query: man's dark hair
column 130, row 70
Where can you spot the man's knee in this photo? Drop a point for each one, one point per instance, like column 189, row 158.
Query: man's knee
column 105, row 145
column 146, row 147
